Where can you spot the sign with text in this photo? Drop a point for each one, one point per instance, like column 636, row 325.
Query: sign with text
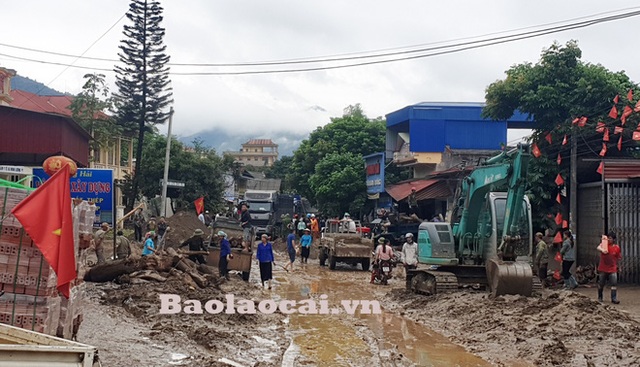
column 374, row 167
column 90, row 184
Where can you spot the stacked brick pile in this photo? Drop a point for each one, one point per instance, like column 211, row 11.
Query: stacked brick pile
column 30, row 299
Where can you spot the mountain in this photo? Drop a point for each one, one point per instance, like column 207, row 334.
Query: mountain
column 222, row 141
column 29, row 85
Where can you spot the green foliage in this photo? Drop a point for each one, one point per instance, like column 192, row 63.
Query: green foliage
column 202, row 171
column 556, row 90
column 143, row 77
column 282, row 169
column 352, row 133
column 88, row 109
column 338, row 183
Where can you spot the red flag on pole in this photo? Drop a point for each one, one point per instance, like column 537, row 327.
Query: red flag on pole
column 559, row 159
column 630, row 95
column 616, row 99
column 535, row 150
column 618, row 130
column 559, row 180
column 548, row 137
column 613, row 113
column 565, row 141
column 559, row 198
column 582, row 122
column 606, row 135
column 625, row 113
column 600, row 169
column 603, row 152
column 600, row 127
column 46, row 216
column 199, row 203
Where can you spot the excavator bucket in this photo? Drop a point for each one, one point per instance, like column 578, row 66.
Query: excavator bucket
column 508, row 277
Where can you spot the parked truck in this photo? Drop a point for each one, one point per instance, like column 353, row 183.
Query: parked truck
column 262, row 208
column 340, row 243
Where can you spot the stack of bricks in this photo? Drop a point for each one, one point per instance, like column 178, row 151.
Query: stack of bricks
column 30, row 299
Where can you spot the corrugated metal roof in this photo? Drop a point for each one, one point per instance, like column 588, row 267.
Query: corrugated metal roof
column 425, row 189
column 621, row 170
column 260, row 142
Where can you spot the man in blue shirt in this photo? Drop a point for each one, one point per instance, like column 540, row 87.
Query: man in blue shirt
column 225, row 255
column 291, row 249
column 149, row 246
column 305, row 243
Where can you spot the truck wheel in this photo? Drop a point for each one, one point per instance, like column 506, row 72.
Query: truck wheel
column 365, row 264
column 332, row 262
column 245, row 276
column 322, row 257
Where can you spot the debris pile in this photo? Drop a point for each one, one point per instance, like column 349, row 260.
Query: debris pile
column 182, row 225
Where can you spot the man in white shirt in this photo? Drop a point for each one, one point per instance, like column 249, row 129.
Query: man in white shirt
column 410, row 252
column 201, row 217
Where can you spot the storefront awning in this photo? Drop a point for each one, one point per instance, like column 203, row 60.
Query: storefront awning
column 425, row 189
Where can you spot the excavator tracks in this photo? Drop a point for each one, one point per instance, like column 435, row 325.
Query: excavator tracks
column 430, row 282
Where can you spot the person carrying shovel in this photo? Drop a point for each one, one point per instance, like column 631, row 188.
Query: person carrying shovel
column 196, row 244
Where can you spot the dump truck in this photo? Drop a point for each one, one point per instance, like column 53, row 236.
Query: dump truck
column 20, row 348
column 342, row 243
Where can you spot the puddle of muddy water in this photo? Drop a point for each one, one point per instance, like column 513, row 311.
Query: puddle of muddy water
column 330, row 340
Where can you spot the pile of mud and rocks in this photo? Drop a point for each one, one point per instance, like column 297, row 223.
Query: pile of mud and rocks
column 554, row 328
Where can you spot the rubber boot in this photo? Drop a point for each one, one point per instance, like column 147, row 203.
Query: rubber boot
column 600, row 292
column 614, row 296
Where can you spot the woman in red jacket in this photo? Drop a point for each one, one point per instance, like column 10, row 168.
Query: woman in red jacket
column 608, row 268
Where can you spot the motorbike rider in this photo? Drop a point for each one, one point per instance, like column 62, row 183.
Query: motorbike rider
column 410, row 252
column 383, row 252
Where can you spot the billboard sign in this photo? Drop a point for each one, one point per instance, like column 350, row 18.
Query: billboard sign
column 374, row 166
column 91, row 184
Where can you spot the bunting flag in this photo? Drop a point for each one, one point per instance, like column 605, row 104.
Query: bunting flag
column 636, row 135
column 620, row 143
column 565, row 141
column 606, row 135
column 559, row 180
column 630, row 95
column 548, row 137
column 600, row 127
column 613, row 113
column 557, row 239
column 558, row 219
column 618, row 130
column 559, row 159
column 559, row 198
column 575, row 120
column 582, row 122
column 603, row 152
column 637, row 107
column 616, row 99
column 565, row 224
column 625, row 113
column 535, row 150
column 600, row 169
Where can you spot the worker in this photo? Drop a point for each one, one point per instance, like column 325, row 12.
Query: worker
column 542, row 257
column 608, row 268
column 99, row 240
column 207, row 219
column 152, row 225
column 383, row 252
column 264, row 253
column 149, row 244
column 163, row 227
column 305, row 244
column 225, row 255
column 412, row 201
column 201, row 217
column 568, row 252
column 348, row 224
column 291, row 249
column 315, row 227
column 138, row 223
column 302, row 225
column 123, row 248
column 196, row 243
column 245, row 222
column 410, row 252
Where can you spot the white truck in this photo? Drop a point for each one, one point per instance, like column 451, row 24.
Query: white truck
column 25, row 348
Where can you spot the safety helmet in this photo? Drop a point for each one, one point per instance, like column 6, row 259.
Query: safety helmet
column 409, row 235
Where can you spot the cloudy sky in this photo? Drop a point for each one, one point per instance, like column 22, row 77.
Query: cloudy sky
column 287, row 106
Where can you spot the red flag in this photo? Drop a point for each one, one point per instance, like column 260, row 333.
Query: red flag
column 558, row 219
column 620, row 143
column 535, row 150
column 559, row 159
column 603, row 152
column 630, row 95
column 618, row 129
column 548, row 137
column 575, row 120
column 616, row 99
column 556, row 273
column 565, row 224
column 564, row 141
column 637, row 107
column 625, row 113
column 606, row 135
column 199, row 203
column 558, row 239
column 636, row 135
column 600, row 169
column 559, row 198
column 559, row 180
column 582, row 122
column 600, row 127
column 613, row 113
column 46, row 216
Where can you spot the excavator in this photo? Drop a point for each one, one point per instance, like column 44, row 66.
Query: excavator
column 488, row 241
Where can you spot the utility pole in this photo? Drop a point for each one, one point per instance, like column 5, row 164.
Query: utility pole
column 165, row 178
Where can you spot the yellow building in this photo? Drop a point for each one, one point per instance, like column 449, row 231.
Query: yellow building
column 256, row 152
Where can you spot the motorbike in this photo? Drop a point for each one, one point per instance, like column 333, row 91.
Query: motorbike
column 382, row 271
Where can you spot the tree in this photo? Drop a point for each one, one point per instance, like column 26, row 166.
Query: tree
column 143, row 79
column 338, row 183
column 88, row 109
column 352, row 133
column 281, row 169
column 557, row 91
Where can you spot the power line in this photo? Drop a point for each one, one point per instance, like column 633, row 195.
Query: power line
column 446, row 49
